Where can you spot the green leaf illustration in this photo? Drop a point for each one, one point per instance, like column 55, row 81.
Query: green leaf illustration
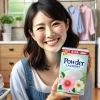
column 60, row 87
column 73, row 90
column 63, row 74
column 83, row 79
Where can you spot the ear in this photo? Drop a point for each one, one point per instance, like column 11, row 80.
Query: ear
column 67, row 24
column 32, row 34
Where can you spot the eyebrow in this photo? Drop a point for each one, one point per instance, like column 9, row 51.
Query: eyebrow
column 39, row 24
column 43, row 23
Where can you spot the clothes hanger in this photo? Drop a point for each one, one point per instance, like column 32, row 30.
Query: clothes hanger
column 82, row 5
column 71, row 4
column 91, row 4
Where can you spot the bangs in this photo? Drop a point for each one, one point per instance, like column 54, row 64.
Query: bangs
column 51, row 12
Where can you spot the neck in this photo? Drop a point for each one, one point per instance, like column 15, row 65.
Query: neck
column 53, row 59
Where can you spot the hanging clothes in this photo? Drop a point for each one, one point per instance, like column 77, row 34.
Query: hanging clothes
column 77, row 24
column 94, row 16
column 87, row 19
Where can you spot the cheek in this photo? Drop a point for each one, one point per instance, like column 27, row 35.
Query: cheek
column 61, row 30
column 40, row 37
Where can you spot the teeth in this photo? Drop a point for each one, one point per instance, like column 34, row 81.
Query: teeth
column 52, row 42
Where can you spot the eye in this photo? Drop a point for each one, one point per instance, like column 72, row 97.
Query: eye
column 56, row 23
column 40, row 28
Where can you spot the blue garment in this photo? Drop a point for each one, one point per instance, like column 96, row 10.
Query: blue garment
column 32, row 93
column 77, row 24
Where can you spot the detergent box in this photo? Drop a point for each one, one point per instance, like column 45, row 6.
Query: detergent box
column 73, row 70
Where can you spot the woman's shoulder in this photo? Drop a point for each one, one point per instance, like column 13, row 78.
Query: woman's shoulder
column 18, row 68
column 17, row 76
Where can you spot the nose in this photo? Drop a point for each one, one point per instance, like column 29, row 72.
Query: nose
column 49, row 32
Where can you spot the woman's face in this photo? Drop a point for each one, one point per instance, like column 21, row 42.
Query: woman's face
column 49, row 34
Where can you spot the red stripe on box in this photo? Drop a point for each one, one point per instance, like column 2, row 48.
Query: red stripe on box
column 75, row 52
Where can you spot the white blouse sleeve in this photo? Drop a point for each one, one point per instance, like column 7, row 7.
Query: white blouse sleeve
column 18, row 82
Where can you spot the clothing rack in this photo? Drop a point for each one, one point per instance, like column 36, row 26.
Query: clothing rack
column 78, row 0
column 83, row 1
column 95, row 1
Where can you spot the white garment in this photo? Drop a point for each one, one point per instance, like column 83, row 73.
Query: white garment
column 39, row 85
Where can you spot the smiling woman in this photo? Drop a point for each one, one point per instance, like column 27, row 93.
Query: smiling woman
column 47, row 31
column 50, row 34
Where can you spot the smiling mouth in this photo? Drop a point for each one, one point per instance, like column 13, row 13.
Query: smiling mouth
column 52, row 42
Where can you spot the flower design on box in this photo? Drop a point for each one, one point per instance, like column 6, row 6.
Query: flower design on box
column 67, row 83
column 79, row 85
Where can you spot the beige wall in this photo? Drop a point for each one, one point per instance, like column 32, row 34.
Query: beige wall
column 98, row 17
column 1, row 7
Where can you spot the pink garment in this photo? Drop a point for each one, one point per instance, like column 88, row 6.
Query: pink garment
column 87, row 18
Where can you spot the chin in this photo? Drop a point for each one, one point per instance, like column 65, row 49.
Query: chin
column 54, row 50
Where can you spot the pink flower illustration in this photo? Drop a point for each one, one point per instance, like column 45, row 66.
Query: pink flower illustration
column 67, row 83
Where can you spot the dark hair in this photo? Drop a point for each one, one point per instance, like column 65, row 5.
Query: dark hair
column 53, row 9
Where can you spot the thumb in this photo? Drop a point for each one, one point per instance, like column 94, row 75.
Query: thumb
column 54, row 87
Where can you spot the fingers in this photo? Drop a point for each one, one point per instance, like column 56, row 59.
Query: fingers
column 64, row 95
column 89, row 65
column 89, row 61
column 75, row 98
column 59, row 95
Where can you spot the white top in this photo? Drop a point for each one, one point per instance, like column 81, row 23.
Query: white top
column 39, row 85
column 18, row 82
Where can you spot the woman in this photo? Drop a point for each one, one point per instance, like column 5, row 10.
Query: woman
column 48, row 27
